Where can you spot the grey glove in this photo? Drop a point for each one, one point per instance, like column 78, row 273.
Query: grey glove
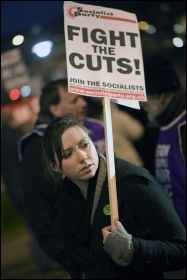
column 119, row 246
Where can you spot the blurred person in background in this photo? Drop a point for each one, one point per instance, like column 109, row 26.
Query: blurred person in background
column 11, row 168
column 40, row 196
column 166, row 107
column 127, row 130
column 12, row 175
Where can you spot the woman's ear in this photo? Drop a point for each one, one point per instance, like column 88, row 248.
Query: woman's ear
column 55, row 169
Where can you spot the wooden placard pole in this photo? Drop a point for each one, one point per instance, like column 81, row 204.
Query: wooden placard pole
column 110, row 160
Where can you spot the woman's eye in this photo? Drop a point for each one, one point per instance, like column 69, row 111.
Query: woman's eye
column 85, row 145
column 67, row 155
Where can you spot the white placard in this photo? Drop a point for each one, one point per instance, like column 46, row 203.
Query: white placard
column 103, row 53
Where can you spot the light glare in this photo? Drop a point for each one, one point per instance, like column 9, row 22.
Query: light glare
column 17, row 40
column 25, row 91
column 178, row 42
column 42, row 49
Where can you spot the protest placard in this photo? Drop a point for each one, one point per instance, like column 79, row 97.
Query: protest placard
column 104, row 59
column 14, row 72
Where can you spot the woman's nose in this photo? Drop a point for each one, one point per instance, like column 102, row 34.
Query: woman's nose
column 82, row 157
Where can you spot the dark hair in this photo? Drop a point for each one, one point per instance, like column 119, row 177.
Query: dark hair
column 52, row 144
column 50, row 95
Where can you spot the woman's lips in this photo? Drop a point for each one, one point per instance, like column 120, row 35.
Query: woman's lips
column 87, row 167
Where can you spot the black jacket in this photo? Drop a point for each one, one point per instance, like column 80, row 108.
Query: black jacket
column 145, row 212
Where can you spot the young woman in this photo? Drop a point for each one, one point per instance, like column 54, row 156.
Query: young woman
column 149, row 238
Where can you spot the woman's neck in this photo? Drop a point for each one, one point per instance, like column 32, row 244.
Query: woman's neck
column 83, row 186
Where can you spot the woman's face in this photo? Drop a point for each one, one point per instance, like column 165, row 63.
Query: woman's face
column 80, row 158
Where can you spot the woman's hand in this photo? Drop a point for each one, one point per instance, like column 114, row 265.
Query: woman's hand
column 107, row 230
column 118, row 243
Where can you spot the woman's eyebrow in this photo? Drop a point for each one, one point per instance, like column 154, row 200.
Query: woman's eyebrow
column 80, row 142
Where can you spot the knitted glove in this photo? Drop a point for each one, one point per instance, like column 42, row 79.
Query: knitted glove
column 119, row 246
